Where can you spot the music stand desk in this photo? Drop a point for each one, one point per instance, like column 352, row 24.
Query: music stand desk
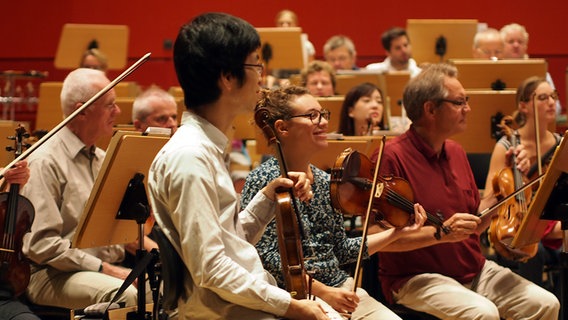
column 482, row 73
column 423, row 34
column 128, row 153
column 532, row 226
column 286, row 44
column 75, row 38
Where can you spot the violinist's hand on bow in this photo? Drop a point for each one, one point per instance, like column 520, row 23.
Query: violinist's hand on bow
column 298, row 181
column 342, row 300
column 18, row 174
column 461, row 226
column 522, row 161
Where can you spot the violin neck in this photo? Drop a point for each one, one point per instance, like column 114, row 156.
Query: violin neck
column 515, row 140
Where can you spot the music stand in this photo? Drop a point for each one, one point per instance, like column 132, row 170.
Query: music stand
column 550, row 203
column 285, row 48
column 75, row 38
column 347, row 79
column 333, row 104
column 425, row 35
column 498, row 75
column 119, row 195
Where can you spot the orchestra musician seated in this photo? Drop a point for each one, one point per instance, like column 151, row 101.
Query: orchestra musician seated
column 300, row 125
column 362, row 111
column 448, row 277
column 93, row 58
column 154, row 107
column 63, row 171
column 534, row 92
column 319, row 78
column 190, row 188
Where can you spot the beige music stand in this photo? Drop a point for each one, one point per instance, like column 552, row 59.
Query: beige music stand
column 128, row 153
column 286, row 44
column 325, row 159
column 75, row 38
column 423, row 34
column 485, row 104
column 533, row 225
column 244, row 126
column 347, row 79
column 482, row 74
column 333, row 104
column 395, row 83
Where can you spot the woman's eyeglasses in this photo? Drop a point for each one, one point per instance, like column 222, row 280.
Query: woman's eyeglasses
column 315, row 115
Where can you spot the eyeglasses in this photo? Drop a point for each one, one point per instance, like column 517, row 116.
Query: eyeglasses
column 315, row 116
column 546, row 96
column 457, row 103
column 259, row 67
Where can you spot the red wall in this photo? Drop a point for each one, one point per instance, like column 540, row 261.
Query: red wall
column 29, row 29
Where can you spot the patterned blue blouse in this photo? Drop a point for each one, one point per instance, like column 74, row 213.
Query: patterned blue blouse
column 326, row 242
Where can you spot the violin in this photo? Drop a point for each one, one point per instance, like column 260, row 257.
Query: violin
column 288, row 221
column 16, row 215
column 351, row 184
column 504, row 225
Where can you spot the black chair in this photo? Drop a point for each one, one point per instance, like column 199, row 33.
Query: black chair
column 49, row 312
column 173, row 270
column 479, row 163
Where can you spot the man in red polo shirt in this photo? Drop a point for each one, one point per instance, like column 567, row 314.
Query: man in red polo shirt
column 448, row 278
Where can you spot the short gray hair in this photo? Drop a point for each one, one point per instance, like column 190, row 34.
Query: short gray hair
column 514, row 27
column 485, row 34
column 143, row 104
column 428, row 85
column 79, row 86
column 339, row 41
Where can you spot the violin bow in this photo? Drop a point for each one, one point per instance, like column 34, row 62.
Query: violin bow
column 537, row 134
column 68, row 119
column 368, row 214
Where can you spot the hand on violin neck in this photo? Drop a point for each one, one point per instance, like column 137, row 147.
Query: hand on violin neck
column 521, row 158
column 18, row 174
column 298, row 181
column 418, row 218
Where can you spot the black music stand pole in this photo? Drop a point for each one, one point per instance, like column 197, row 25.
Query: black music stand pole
column 134, row 206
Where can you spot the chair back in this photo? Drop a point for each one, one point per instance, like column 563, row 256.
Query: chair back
column 173, row 270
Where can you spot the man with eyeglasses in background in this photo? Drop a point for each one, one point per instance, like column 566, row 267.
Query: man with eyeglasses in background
column 154, row 108
column 448, row 277
column 339, row 51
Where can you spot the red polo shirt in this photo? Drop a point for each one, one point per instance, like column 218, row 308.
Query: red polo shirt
column 444, row 185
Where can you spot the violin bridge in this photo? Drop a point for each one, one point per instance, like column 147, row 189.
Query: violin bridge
column 379, row 189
